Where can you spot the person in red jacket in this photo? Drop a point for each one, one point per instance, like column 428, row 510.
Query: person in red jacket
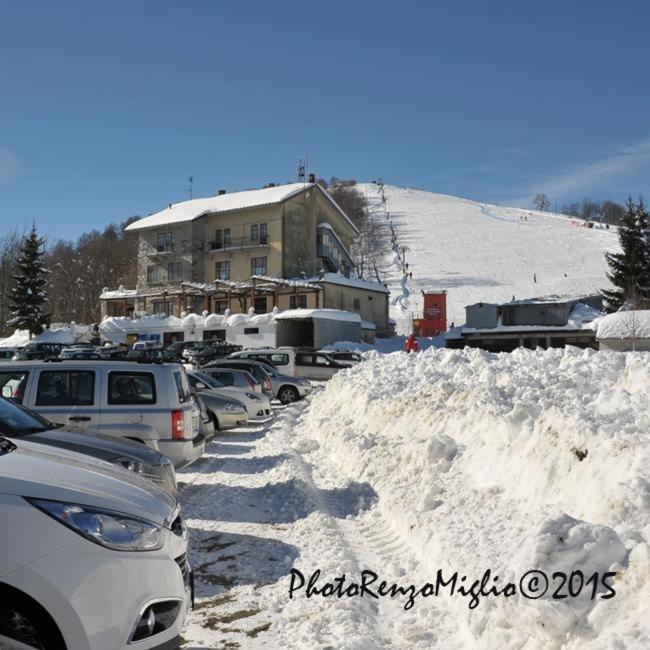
column 411, row 344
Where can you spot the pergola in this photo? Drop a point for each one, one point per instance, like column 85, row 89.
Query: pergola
column 246, row 291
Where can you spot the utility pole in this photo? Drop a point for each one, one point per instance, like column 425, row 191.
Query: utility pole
column 189, row 189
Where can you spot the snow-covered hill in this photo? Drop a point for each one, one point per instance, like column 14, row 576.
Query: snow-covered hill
column 485, row 253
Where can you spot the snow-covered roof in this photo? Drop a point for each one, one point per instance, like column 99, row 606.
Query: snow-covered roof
column 325, row 314
column 368, row 325
column 338, row 278
column 118, row 293
column 195, row 208
column 625, row 325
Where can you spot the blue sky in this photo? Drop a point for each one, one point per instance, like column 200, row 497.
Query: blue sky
column 106, row 108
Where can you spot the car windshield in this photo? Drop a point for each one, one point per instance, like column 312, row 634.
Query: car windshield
column 18, row 421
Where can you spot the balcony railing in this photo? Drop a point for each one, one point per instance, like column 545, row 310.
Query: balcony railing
column 160, row 251
column 236, row 243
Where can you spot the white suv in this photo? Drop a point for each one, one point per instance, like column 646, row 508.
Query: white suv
column 145, row 402
column 91, row 556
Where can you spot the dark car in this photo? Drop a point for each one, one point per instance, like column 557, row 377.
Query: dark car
column 35, row 351
column 18, row 422
column 215, row 350
column 255, row 368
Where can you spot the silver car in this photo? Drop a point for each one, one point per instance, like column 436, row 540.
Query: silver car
column 224, row 412
column 286, row 389
column 17, row 422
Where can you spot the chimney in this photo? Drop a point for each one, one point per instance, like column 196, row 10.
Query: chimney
column 312, row 178
column 221, row 192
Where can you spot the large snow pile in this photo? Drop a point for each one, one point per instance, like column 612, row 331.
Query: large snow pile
column 485, row 253
column 511, row 462
column 21, row 338
column 625, row 325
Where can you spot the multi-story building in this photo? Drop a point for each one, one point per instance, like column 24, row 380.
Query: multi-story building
column 283, row 245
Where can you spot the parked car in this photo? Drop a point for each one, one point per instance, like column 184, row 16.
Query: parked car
column 8, row 353
column 199, row 356
column 239, row 379
column 93, row 557
column 149, row 403
column 351, row 358
column 206, row 423
column 35, row 350
column 79, row 353
column 17, row 422
column 286, row 389
column 223, row 411
column 281, row 358
column 317, row 365
column 257, row 406
column 250, row 366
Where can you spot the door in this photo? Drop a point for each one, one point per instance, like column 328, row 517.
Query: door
column 323, row 368
column 304, row 366
column 69, row 397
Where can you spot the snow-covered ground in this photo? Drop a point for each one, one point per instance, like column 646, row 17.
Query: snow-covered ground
column 451, row 460
column 485, row 253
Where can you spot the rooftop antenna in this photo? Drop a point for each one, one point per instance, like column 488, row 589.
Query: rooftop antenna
column 301, row 170
column 189, row 189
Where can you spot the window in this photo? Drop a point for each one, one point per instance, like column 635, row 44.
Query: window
column 131, row 388
column 65, row 388
column 226, row 378
column 320, row 360
column 226, row 237
column 254, row 232
column 174, row 271
column 158, row 307
column 220, row 306
column 263, row 234
column 251, row 330
column 298, row 302
column 153, row 274
column 258, row 265
column 357, row 304
column 165, row 242
column 222, row 271
column 260, row 305
column 13, row 385
column 182, row 387
column 218, row 238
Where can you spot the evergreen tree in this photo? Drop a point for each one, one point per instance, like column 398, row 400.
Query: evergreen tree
column 629, row 268
column 28, row 294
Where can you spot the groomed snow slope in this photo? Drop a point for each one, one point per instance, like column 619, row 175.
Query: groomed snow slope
column 511, row 462
column 485, row 253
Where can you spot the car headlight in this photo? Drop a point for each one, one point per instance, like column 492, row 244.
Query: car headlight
column 110, row 529
column 254, row 397
column 136, row 466
column 232, row 407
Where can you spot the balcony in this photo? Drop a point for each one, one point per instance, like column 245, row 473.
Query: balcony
column 160, row 251
column 236, row 244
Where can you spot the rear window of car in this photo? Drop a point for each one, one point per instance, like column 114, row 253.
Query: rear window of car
column 65, row 388
column 182, row 387
column 305, row 359
column 131, row 388
column 226, row 378
column 12, row 385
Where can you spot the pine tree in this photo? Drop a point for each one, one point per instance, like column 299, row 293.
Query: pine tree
column 28, row 294
column 628, row 269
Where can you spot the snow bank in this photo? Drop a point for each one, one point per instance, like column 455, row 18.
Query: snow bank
column 625, row 325
column 326, row 314
column 21, row 337
column 512, row 462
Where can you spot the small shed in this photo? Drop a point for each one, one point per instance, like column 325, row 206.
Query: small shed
column 316, row 328
column 625, row 331
column 482, row 315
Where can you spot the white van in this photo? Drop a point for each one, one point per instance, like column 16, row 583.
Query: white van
column 281, row 358
column 146, row 402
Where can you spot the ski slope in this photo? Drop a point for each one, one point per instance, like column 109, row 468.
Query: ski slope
column 484, row 253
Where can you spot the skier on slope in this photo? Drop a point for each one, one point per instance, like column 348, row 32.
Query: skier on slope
column 411, row 344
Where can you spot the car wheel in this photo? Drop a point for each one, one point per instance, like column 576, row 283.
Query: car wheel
column 16, row 624
column 288, row 395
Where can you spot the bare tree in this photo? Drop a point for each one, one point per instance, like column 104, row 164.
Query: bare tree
column 9, row 249
column 541, row 202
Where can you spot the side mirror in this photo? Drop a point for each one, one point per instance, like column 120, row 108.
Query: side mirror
column 6, row 391
column 200, row 385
